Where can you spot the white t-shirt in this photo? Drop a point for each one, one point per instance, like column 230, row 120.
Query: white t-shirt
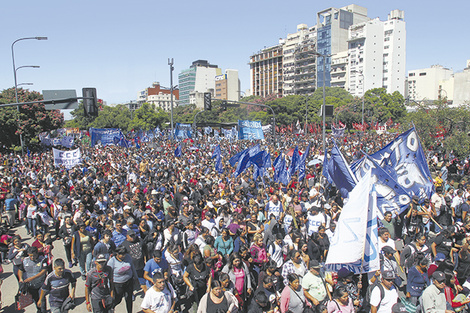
column 389, row 243
column 159, row 302
column 389, row 299
column 314, row 221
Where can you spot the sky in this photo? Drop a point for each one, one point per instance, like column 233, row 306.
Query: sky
column 121, row 47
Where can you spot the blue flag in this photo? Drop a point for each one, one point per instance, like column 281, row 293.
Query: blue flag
column 283, row 175
column 294, row 165
column 267, row 163
column 216, row 152
column 233, row 160
column 340, row 173
column 178, row 152
column 303, row 160
column 258, row 158
column 325, row 168
column 242, row 165
column 218, row 164
column 277, row 166
column 404, row 160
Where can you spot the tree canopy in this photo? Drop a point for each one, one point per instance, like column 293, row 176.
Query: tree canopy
column 31, row 119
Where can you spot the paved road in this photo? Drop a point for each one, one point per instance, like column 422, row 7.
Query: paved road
column 9, row 287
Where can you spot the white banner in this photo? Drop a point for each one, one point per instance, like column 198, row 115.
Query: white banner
column 66, row 158
column 354, row 244
column 381, row 129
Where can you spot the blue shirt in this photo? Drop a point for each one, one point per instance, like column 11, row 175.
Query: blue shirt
column 152, row 267
column 119, row 238
column 10, row 204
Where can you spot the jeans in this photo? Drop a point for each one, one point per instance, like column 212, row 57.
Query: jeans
column 97, row 306
column 31, row 226
column 124, row 290
column 11, row 217
column 84, row 260
column 35, row 294
column 68, row 252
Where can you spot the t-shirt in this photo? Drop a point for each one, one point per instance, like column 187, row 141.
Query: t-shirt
column 122, row 270
column 159, row 301
column 135, row 251
column 58, row 287
column 314, row 286
column 99, row 282
column 198, row 279
column 152, row 267
column 10, row 204
column 389, row 299
column 31, row 268
column 239, row 279
column 314, row 221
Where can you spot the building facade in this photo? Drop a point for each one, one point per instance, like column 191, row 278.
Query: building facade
column 377, row 55
column 159, row 96
column 266, row 71
column 199, row 78
column 227, row 86
column 426, row 84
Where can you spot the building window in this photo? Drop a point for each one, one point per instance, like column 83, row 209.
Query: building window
column 411, row 74
column 386, row 47
column 422, row 74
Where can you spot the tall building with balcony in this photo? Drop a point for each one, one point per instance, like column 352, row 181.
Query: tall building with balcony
column 339, row 70
column 266, row 71
column 377, row 55
column 157, row 95
column 199, row 78
column 332, row 35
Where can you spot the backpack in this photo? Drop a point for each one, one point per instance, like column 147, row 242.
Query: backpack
column 458, row 210
column 413, row 259
column 366, row 303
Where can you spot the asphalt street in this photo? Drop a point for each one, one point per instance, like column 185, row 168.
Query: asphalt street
column 9, row 286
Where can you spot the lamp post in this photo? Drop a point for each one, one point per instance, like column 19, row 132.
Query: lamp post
column 170, row 63
column 324, row 56
column 16, row 83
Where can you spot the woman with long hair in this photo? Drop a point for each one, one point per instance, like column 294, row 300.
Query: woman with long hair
column 82, row 248
column 31, row 222
column 240, row 276
column 217, row 300
column 17, row 253
column 198, row 278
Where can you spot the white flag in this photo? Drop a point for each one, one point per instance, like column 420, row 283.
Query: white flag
column 354, row 244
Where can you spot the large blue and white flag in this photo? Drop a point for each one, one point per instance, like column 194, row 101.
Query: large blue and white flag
column 355, row 242
column 340, row 173
column 283, row 175
column 277, row 166
column 243, row 164
column 337, row 132
column 178, row 152
column 404, row 160
column 303, row 160
column 233, row 160
column 207, row 130
column 390, row 195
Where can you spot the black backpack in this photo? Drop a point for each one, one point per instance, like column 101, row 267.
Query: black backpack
column 366, row 306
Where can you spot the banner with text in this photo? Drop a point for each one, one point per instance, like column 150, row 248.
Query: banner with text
column 183, row 131
column 104, row 136
column 66, row 158
column 250, row 130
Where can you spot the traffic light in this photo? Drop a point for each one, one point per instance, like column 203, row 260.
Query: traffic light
column 355, row 107
column 224, row 105
column 207, row 101
column 91, row 103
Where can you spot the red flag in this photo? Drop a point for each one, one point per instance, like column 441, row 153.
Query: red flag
column 310, row 128
column 389, row 122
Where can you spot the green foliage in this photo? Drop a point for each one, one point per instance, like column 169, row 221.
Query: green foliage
column 430, row 119
column 32, row 118
column 145, row 118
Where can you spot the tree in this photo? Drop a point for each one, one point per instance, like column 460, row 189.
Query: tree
column 148, row 117
column 31, row 120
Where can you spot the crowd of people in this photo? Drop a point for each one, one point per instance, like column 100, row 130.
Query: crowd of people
column 191, row 239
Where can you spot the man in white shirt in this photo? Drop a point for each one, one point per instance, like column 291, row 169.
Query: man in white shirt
column 274, row 207
column 384, row 296
column 161, row 298
column 315, row 220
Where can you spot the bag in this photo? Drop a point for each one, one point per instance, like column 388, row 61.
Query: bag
column 366, row 303
column 23, row 300
column 458, row 210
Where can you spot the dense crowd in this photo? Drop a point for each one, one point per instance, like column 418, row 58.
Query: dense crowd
column 196, row 240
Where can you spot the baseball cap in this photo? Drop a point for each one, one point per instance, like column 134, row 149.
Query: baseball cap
column 101, row 258
column 314, row 264
column 388, row 249
column 440, row 257
column 344, row 272
column 439, row 276
column 388, row 275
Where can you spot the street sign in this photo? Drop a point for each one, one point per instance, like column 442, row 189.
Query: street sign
column 61, row 94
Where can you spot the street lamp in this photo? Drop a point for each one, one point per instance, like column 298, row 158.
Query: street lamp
column 170, row 63
column 324, row 56
column 16, row 83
